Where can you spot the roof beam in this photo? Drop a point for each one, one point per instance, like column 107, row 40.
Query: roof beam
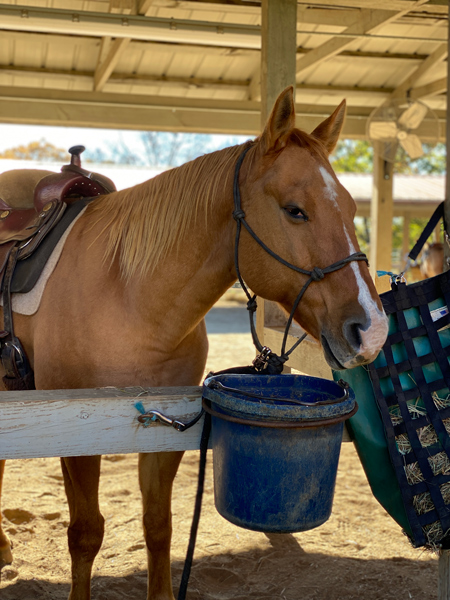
column 425, row 67
column 41, row 106
column 430, row 89
column 88, row 23
column 400, row 5
column 368, row 22
column 180, row 31
column 105, row 68
column 189, row 82
column 143, row 46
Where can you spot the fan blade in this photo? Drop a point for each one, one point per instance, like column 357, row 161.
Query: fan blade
column 413, row 115
column 412, row 145
column 383, row 130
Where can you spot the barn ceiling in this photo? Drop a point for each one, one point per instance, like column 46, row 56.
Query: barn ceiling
column 194, row 65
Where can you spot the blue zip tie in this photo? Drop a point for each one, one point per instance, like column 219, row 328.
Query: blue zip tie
column 140, row 407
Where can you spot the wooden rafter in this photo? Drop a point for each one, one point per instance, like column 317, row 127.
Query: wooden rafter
column 439, row 86
column 192, row 82
column 369, row 21
column 105, row 68
column 424, row 68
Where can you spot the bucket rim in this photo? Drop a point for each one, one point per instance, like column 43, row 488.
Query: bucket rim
column 311, row 390
column 300, row 424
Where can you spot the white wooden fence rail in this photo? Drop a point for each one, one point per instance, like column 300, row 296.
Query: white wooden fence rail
column 44, row 423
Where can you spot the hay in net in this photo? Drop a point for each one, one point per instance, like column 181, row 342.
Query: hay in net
column 423, row 503
column 439, row 463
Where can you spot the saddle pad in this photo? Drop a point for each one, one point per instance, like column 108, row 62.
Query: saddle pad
column 27, row 271
column 33, row 277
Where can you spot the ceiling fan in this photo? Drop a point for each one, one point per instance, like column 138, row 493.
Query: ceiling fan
column 397, row 123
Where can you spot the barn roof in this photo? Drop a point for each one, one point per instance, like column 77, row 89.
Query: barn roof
column 194, row 65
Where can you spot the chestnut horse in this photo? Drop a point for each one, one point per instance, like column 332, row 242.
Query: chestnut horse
column 141, row 268
column 432, row 260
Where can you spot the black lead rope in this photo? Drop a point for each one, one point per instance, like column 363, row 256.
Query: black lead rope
column 268, row 362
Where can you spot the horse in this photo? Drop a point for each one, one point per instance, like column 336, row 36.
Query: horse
column 141, row 267
column 432, row 260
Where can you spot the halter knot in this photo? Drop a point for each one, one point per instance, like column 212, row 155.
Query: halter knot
column 252, row 305
column 317, row 274
column 238, row 214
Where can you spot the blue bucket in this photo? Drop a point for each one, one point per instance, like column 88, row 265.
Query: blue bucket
column 276, row 441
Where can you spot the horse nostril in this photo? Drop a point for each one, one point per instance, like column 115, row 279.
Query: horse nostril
column 352, row 332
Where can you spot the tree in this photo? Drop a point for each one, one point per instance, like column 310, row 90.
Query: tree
column 356, row 156
column 42, row 151
column 161, row 149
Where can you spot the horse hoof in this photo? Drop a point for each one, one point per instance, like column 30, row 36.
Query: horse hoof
column 5, row 556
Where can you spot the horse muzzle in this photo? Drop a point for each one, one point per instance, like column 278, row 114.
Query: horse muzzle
column 358, row 343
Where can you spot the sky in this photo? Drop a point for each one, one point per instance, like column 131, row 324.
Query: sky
column 65, row 137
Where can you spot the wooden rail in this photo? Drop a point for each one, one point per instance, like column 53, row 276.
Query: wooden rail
column 47, row 423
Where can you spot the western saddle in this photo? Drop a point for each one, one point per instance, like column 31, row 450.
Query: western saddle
column 36, row 207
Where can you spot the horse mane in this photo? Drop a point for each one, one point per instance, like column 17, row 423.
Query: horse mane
column 143, row 223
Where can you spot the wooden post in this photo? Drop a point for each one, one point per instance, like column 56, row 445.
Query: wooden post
column 447, row 178
column 278, row 67
column 444, row 556
column 444, row 575
column 405, row 242
column 278, row 51
column 381, row 215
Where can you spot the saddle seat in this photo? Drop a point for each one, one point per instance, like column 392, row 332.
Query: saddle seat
column 29, row 197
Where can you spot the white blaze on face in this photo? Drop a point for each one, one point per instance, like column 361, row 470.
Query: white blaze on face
column 374, row 336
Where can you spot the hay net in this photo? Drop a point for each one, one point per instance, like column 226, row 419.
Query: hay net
column 411, row 381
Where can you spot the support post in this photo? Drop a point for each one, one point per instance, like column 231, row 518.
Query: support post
column 405, row 242
column 447, row 178
column 381, row 215
column 444, row 556
column 278, row 66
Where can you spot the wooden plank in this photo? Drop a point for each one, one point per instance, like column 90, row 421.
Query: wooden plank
column 107, row 66
column 86, row 422
column 428, row 64
column 308, row 358
column 430, row 89
column 278, row 51
column 444, row 575
column 69, row 22
column 369, row 21
column 381, row 214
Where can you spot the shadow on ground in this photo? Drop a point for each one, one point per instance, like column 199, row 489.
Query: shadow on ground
column 257, row 575
column 228, row 319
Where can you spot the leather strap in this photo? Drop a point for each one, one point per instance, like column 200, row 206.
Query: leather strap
column 429, row 228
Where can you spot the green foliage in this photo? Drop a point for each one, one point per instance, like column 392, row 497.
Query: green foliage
column 356, row 156
column 352, row 156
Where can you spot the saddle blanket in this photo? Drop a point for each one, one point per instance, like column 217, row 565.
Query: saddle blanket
column 29, row 302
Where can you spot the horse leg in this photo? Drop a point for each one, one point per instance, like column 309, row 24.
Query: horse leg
column 5, row 546
column 81, row 481
column 156, row 474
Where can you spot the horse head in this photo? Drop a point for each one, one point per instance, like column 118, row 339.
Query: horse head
column 295, row 204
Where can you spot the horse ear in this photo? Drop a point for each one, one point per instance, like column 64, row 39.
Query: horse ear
column 329, row 130
column 281, row 121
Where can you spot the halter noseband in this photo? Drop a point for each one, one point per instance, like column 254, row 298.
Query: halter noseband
column 268, row 360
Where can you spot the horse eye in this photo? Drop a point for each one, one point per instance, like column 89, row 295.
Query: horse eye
column 296, row 212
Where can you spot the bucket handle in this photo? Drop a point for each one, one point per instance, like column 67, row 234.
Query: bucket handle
column 216, row 385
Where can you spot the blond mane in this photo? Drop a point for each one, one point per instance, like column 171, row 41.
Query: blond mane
column 145, row 222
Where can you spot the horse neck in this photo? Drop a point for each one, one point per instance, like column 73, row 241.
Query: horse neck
column 194, row 274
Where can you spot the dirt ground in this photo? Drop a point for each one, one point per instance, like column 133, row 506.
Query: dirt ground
column 359, row 553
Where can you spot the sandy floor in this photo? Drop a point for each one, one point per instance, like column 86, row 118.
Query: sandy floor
column 359, row 553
